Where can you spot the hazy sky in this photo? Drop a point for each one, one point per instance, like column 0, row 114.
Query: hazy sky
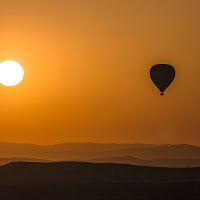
column 87, row 65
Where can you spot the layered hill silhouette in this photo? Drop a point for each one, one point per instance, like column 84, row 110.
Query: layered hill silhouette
column 76, row 172
column 143, row 154
column 156, row 163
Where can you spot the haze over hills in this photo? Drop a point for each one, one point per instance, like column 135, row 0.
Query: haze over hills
column 180, row 151
column 86, row 151
column 84, row 147
column 66, row 151
column 40, row 178
column 156, row 163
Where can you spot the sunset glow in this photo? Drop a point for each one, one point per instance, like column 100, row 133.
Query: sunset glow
column 86, row 71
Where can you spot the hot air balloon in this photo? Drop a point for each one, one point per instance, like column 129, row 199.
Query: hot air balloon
column 162, row 76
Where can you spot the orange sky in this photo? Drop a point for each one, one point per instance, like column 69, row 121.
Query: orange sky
column 87, row 68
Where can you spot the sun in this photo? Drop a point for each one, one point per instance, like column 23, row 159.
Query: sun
column 11, row 73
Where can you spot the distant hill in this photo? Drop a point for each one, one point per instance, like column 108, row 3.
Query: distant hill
column 88, row 151
column 181, row 151
column 156, row 163
column 74, row 172
column 65, row 151
column 83, row 147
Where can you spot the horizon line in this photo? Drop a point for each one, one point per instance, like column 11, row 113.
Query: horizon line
column 111, row 143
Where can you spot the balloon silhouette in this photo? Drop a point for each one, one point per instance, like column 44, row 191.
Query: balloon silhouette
column 162, row 76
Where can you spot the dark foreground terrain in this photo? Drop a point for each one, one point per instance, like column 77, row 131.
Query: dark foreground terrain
column 104, row 191
column 79, row 181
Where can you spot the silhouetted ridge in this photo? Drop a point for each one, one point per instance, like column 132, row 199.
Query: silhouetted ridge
column 81, row 172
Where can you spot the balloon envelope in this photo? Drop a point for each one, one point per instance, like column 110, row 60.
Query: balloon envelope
column 162, row 76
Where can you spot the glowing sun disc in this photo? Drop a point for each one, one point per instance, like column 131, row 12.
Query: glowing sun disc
column 11, row 73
